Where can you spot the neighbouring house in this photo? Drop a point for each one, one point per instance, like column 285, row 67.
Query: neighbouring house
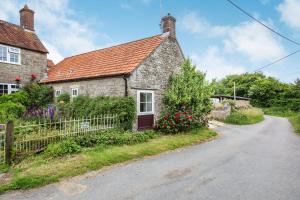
column 23, row 57
column 140, row 69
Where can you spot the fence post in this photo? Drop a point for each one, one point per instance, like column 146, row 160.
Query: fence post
column 9, row 141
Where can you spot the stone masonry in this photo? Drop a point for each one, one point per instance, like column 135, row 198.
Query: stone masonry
column 31, row 63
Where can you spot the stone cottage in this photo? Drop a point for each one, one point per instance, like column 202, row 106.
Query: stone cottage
column 23, row 57
column 140, row 69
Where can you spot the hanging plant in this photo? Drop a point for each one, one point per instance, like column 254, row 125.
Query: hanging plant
column 18, row 79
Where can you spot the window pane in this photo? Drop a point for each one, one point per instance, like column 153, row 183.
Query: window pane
column 142, row 97
column 149, row 107
column 143, row 107
column 3, row 53
column 5, row 87
column 149, row 97
column 14, row 58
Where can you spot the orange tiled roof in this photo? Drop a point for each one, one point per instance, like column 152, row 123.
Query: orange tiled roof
column 50, row 63
column 14, row 35
column 116, row 60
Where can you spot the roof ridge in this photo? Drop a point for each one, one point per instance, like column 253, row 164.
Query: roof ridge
column 18, row 26
column 112, row 46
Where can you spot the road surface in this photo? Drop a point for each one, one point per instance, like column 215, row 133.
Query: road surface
column 256, row 162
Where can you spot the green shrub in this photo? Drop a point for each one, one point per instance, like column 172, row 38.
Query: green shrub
column 39, row 95
column 124, row 107
column 65, row 147
column 11, row 110
column 175, row 122
column 245, row 116
column 17, row 97
column 87, row 140
column 189, row 92
column 65, row 97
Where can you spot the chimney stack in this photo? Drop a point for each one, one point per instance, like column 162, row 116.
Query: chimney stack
column 27, row 18
column 168, row 24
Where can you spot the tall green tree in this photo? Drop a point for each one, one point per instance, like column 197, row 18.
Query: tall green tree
column 189, row 91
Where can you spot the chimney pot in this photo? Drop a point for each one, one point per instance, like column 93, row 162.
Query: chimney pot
column 169, row 25
column 27, row 18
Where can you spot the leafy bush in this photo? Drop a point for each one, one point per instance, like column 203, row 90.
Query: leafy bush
column 65, row 147
column 245, row 116
column 87, row 140
column 124, row 107
column 114, row 137
column 39, row 95
column 10, row 110
column 18, row 97
column 65, row 97
column 174, row 123
column 189, row 92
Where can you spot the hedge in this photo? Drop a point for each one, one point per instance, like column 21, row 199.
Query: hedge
column 124, row 107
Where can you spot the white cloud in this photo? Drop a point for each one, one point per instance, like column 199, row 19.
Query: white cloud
column 57, row 26
column 253, row 40
column 248, row 38
column 126, row 6
column 264, row 2
column 290, row 13
column 54, row 54
column 215, row 64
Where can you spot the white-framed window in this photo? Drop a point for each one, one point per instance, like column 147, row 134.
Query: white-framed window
column 74, row 92
column 10, row 55
column 57, row 93
column 7, row 88
column 145, row 102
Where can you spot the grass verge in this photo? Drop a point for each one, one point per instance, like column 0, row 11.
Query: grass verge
column 245, row 116
column 293, row 117
column 37, row 171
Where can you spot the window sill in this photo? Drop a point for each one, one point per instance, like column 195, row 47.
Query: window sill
column 10, row 63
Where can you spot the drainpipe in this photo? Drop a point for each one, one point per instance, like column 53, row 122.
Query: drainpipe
column 125, row 76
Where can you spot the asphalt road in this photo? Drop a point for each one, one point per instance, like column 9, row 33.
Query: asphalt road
column 257, row 162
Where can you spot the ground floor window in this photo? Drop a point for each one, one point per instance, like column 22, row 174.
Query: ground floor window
column 6, row 88
column 145, row 101
column 57, row 93
column 74, row 92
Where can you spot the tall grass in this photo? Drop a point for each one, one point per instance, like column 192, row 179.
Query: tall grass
column 245, row 116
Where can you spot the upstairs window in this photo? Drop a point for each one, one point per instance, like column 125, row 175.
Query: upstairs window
column 3, row 53
column 10, row 54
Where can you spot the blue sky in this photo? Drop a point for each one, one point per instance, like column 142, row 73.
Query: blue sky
column 217, row 37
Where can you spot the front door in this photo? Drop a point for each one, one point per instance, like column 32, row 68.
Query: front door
column 145, row 109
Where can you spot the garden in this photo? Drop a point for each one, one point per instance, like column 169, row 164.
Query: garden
column 85, row 136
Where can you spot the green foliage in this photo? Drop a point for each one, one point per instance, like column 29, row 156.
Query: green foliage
column 245, row 116
column 39, row 95
column 243, row 84
column 65, row 147
column 124, row 107
column 17, row 97
column 65, row 97
column 176, row 122
column 189, row 91
column 114, row 137
column 10, row 110
column 264, row 91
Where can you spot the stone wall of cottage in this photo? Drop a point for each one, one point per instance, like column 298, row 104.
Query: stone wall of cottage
column 154, row 73
column 31, row 63
column 109, row 86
